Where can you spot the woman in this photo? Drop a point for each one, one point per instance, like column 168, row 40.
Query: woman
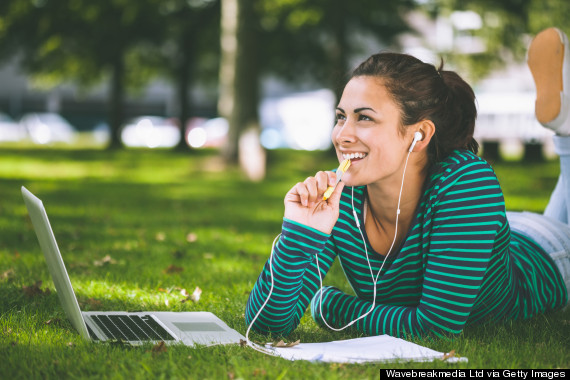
column 419, row 222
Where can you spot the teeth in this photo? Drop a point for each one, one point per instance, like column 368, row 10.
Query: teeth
column 352, row 156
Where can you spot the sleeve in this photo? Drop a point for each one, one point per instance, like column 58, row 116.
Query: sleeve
column 295, row 279
column 467, row 215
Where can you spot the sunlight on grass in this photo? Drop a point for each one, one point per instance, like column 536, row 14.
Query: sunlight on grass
column 142, row 229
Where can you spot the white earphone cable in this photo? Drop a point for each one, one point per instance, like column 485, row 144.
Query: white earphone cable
column 374, row 278
column 255, row 346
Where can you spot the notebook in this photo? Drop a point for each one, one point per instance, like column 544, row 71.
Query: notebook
column 188, row 328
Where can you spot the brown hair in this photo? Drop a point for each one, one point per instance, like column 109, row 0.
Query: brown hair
column 423, row 92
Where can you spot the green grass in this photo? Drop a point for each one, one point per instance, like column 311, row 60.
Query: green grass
column 151, row 210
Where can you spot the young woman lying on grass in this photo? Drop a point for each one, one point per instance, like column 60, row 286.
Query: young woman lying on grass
column 419, row 222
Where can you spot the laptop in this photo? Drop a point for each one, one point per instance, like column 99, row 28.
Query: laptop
column 134, row 328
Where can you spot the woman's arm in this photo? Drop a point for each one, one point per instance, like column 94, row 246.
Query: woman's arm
column 307, row 226
column 465, row 227
column 295, row 279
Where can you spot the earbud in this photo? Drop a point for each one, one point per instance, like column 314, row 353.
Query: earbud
column 417, row 137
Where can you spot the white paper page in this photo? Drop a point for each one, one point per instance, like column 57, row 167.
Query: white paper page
column 361, row 350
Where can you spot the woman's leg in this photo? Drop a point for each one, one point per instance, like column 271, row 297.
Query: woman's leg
column 551, row 235
column 549, row 61
column 557, row 207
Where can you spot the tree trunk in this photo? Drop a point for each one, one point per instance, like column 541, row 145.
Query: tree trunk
column 533, row 153
column 239, row 76
column 116, row 102
column 340, row 52
column 183, row 86
column 491, row 151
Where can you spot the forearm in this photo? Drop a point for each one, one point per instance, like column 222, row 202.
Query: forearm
column 287, row 280
column 340, row 309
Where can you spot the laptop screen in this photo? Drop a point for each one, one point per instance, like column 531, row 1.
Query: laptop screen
column 54, row 261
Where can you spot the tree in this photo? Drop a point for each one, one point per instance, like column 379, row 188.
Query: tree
column 239, row 80
column 507, row 28
column 320, row 38
column 190, row 50
column 83, row 41
column 295, row 39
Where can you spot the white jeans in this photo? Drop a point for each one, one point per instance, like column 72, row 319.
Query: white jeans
column 552, row 235
column 552, row 231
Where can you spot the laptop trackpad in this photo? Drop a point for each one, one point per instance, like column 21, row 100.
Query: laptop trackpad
column 197, row 326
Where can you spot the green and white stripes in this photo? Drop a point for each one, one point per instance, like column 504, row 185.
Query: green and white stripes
column 459, row 264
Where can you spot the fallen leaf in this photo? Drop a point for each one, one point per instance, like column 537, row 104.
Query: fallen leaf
column 53, row 321
column 161, row 236
column 184, row 292
column 159, row 348
column 208, row 256
column 231, row 375
column 105, row 260
column 7, row 274
column 173, row 269
column 286, row 345
column 35, row 290
column 191, row 237
column 448, row 355
column 243, row 343
column 298, row 341
column 196, row 294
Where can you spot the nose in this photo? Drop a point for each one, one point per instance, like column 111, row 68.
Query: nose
column 345, row 133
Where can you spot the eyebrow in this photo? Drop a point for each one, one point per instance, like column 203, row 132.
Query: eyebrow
column 357, row 110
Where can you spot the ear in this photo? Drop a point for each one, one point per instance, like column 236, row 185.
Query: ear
column 427, row 129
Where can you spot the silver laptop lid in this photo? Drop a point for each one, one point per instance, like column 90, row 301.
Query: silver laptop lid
column 54, row 261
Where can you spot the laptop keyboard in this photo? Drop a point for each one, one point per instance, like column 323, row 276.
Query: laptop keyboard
column 131, row 327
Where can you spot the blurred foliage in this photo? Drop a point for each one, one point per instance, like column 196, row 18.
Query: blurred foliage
column 77, row 40
column 127, row 42
column 507, row 29
column 80, row 41
column 316, row 40
column 315, row 43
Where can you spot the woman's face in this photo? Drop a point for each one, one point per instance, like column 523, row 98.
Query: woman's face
column 367, row 132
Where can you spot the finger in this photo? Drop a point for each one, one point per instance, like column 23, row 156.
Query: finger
column 298, row 194
column 322, row 182
column 335, row 196
column 332, row 178
column 312, row 189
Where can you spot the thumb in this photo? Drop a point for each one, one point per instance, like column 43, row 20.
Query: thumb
column 335, row 196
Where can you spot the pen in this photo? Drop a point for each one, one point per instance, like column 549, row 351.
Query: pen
column 342, row 168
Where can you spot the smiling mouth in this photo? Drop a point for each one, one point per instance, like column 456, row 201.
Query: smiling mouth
column 354, row 156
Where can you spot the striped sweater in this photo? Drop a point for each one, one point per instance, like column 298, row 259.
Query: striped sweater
column 459, row 263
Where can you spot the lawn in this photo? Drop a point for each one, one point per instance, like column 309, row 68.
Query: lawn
column 136, row 227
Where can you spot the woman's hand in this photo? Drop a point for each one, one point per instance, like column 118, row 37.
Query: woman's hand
column 304, row 202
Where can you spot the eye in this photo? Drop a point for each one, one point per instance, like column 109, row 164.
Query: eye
column 362, row 117
column 339, row 116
